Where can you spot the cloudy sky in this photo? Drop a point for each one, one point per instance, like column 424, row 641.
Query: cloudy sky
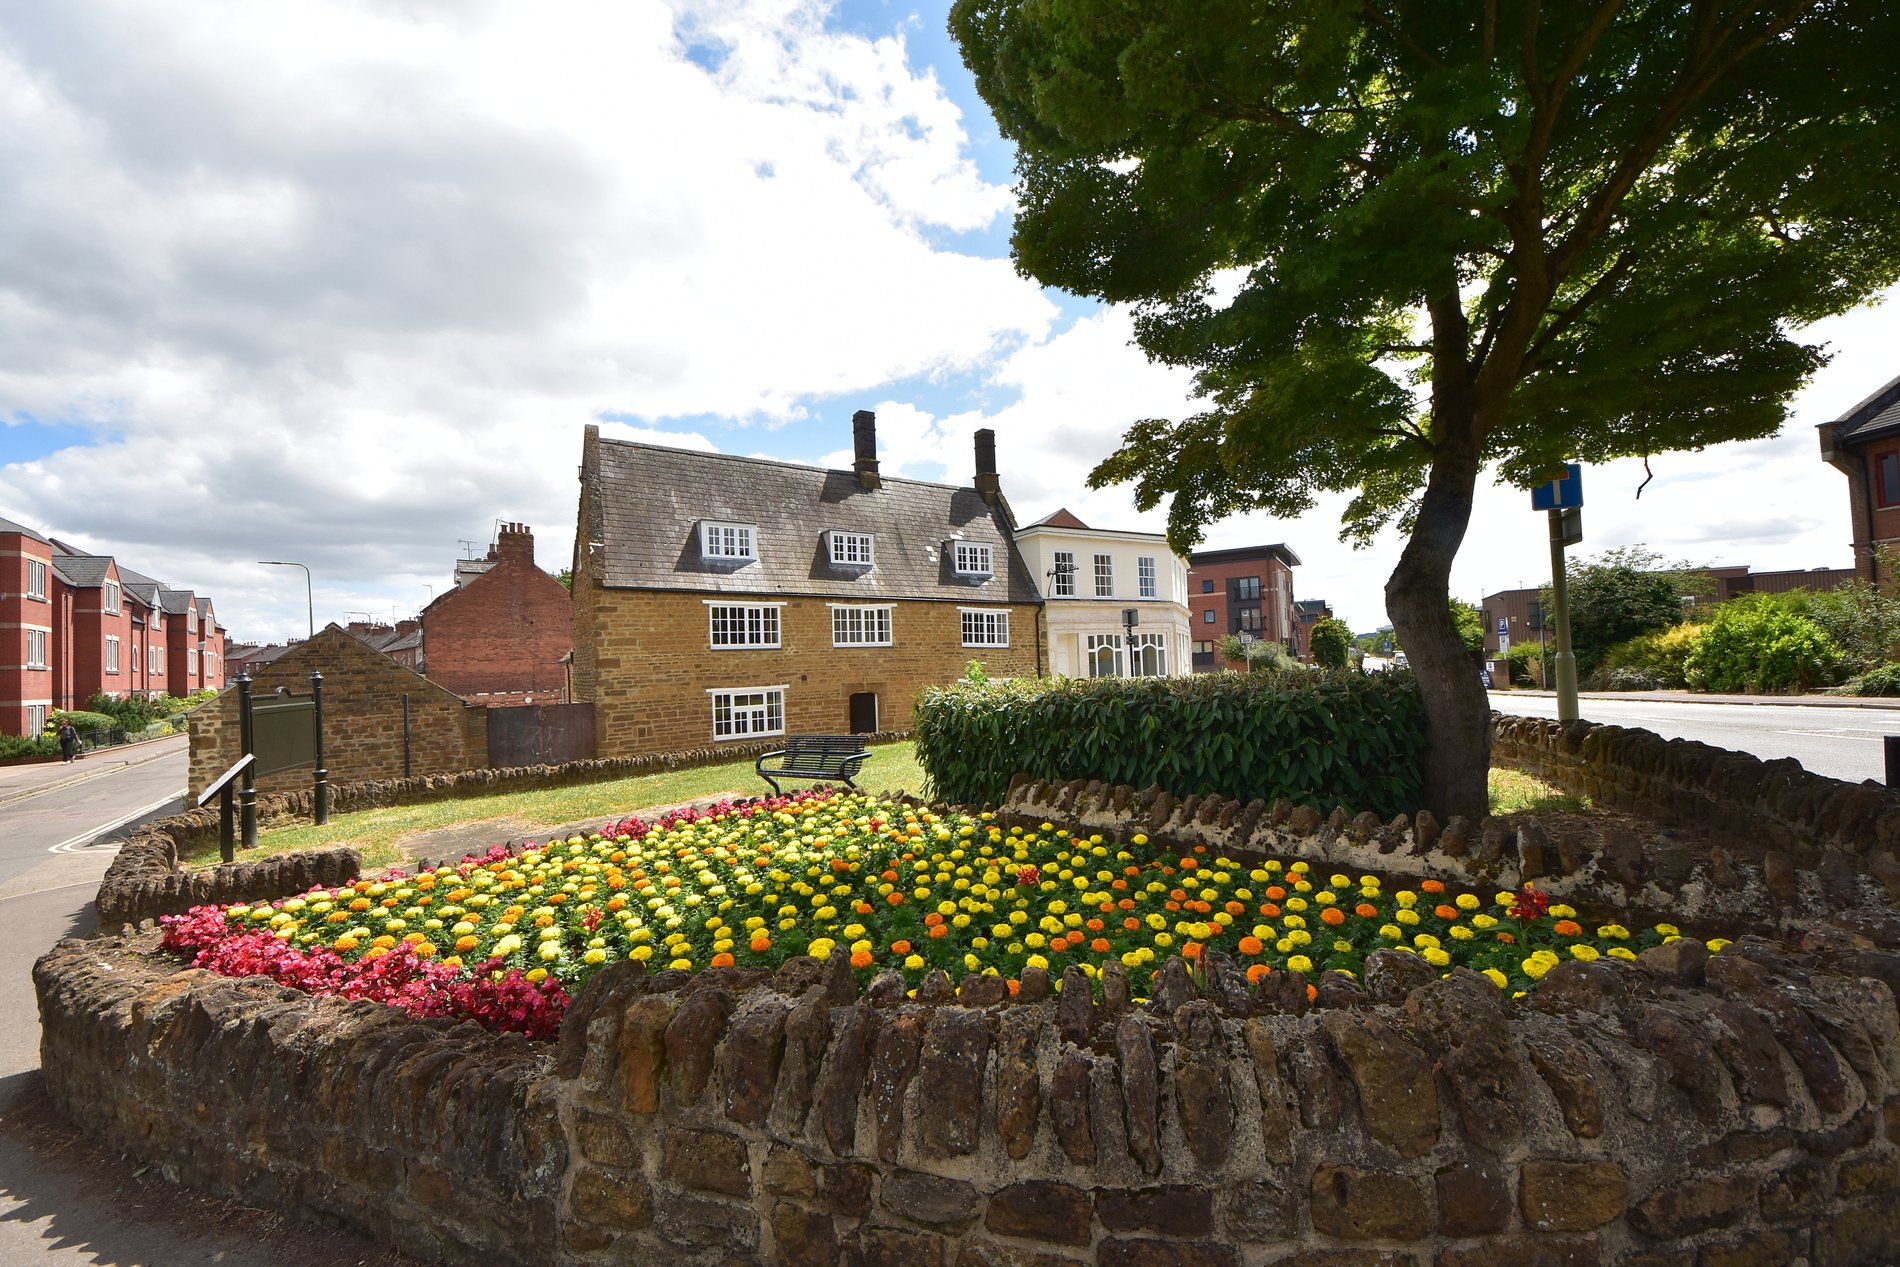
column 342, row 283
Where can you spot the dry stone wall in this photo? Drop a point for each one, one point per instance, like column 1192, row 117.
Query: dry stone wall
column 1741, row 1108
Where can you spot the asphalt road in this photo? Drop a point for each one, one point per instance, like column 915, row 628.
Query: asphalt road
column 1840, row 741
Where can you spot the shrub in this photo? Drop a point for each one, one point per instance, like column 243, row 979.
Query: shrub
column 1330, row 642
column 130, row 712
column 1519, row 658
column 1258, row 655
column 1884, row 680
column 1623, row 679
column 1755, row 643
column 1323, row 739
column 1863, row 622
column 1659, row 659
column 26, row 746
column 85, row 723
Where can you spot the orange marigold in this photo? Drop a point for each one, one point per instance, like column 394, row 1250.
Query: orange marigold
column 1015, row 987
column 1312, row 993
column 1507, row 939
column 1275, row 892
column 860, row 959
column 1445, row 911
column 1058, row 944
column 938, row 931
column 1191, row 950
column 1255, row 972
column 1365, row 910
column 1177, row 895
column 932, row 920
column 1099, row 945
column 722, row 960
column 1432, row 886
column 900, row 948
column 1269, row 910
column 1251, row 945
column 895, row 899
column 1332, row 915
column 1094, row 926
column 1235, row 908
column 1131, row 923
column 1126, row 904
column 760, row 944
column 1568, row 928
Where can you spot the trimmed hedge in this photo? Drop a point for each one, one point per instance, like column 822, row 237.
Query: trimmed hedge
column 1320, row 739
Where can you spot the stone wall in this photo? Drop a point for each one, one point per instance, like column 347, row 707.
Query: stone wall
column 1740, row 1108
column 362, row 718
column 145, row 879
column 1764, row 805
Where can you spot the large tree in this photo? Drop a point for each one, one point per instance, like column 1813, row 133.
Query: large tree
column 1402, row 240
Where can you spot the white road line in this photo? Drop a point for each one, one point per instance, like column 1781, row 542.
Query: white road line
column 85, row 838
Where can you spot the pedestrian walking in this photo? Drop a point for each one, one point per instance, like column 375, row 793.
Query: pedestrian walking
column 68, row 739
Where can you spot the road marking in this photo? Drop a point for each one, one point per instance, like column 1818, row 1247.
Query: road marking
column 85, row 838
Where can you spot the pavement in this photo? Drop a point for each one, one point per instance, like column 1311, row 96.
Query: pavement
column 17, row 782
column 1697, row 697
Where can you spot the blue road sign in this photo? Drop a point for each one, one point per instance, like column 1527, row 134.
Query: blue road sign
column 1560, row 494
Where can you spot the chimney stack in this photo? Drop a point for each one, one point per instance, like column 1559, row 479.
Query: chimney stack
column 864, row 441
column 515, row 541
column 986, row 482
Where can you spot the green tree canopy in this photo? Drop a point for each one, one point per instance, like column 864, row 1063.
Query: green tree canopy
column 1399, row 242
column 1330, row 642
column 1623, row 594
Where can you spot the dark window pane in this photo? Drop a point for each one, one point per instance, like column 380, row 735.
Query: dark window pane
column 1887, row 479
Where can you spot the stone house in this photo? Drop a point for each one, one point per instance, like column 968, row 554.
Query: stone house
column 722, row 599
column 1090, row 578
column 502, row 634
column 1864, row 445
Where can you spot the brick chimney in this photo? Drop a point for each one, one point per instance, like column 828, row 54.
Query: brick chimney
column 864, row 442
column 986, row 482
column 515, row 541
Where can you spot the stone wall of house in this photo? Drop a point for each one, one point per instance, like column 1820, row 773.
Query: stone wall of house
column 643, row 658
column 363, row 691
column 1690, row 1109
column 1765, row 806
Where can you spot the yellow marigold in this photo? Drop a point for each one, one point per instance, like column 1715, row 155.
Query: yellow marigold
column 1498, row 979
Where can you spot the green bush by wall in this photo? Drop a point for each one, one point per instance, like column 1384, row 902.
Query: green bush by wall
column 1322, row 739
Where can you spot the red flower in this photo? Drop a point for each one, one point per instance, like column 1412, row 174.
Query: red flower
column 1528, row 904
column 1028, row 876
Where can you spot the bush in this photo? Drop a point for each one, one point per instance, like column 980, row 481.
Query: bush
column 84, row 722
column 1258, row 655
column 1519, row 658
column 130, row 712
column 25, row 746
column 1323, row 739
column 1884, row 680
column 1755, row 643
column 1863, row 622
column 1659, row 659
column 1330, row 642
column 1623, row 679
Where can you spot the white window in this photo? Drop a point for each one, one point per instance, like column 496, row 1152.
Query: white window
column 860, row 626
column 727, row 541
column 851, row 549
column 112, row 598
column 155, row 660
column 744, row 624
column 1105, row 655
column 748, row 712
column 1145, row 573
column 973, row 559
column 112, row 654
column 191, row 660
column 35, row 720
column 191, row 620
column 1148, row 655
column 1065, row 574
column 985, row 627
column 36, row 648
column 35, row 579
column 1104, row 576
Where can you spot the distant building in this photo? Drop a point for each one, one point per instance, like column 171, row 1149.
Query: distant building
column 501, row 635
column 1089, row 578
column 1864, row 445
column 1307, row 612
column 1246, row 591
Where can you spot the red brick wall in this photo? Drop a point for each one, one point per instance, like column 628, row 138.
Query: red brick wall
column 1276, row 580
column 505, row 632
column 21, row 687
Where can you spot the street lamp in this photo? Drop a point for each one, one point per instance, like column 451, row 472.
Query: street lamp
column 310, row 607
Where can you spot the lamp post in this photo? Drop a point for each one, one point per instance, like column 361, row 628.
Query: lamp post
column 310, row 607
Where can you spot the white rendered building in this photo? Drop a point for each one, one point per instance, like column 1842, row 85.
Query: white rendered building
column 1091, row 579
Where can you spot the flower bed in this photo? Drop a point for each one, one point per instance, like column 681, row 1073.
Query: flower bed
column 505, row 938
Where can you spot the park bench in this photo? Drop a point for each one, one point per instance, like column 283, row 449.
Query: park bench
column 820, row 758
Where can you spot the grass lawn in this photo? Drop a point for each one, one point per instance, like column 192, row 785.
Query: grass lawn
column 378, row 832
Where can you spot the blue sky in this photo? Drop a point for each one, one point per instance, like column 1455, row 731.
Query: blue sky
column 340, row 283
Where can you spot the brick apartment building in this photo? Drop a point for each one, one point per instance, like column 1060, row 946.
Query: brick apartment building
column 1247, row 590
column 79, row 624
column 502, row 635
column 1307, row 612
column 720, row 598
column 1864, row 445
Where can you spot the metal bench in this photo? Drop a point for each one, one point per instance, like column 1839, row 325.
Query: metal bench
column 819, row 758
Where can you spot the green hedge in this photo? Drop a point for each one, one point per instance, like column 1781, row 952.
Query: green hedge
column 1323, row 739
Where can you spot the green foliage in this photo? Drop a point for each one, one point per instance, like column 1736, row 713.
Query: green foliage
column 1323, row 739
column 1259, row 655
column 1470, row 624
column 1520, row 658
column 1884, row 680
column 1622, row 594
column 1649, row 661
column 133, row 713
column 15, row 746
column 1330, row 642
column 1756, row 643
column 1863, row 621
column 974, row 673
column 84, row 722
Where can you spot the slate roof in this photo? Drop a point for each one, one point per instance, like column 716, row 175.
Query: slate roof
column 87, row 571
column 652, row 501
column 174, row 601
column 137, row 583
column 7, row 525
column 1876, row 416
column 467, row 570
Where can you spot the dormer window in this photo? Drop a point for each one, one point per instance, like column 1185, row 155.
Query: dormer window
column 728, row 541
column 972, row 559
column 850, row 549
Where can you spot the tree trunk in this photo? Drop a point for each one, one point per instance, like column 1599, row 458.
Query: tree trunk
column 1417, row 598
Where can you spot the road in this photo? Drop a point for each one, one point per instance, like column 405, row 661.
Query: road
column 63, row 1201
column 1840, row 741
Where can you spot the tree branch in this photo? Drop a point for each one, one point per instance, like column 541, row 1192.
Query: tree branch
column 1412, row 46
column 1567, row 317
column 1275, row 117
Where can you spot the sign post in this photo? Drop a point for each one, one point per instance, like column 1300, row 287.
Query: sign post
column 1562, row 498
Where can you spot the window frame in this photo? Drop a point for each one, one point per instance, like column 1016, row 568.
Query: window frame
column 1137, row 649
column 112, row 654
column 1207, row 617
column 114, row 598
column 37, row 578
column 44, row 640
column 1147, row 576
column 1245, row 588
column 987, row 621
column 836, row 537
column 1104, row 575
column 1094, row 645
column 1065, row 581
column 843, row 612
column 768, row 696
column 714, row 606
column 1881, row 500
column 36, row 719
column 710, row 528
column 978, row 550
